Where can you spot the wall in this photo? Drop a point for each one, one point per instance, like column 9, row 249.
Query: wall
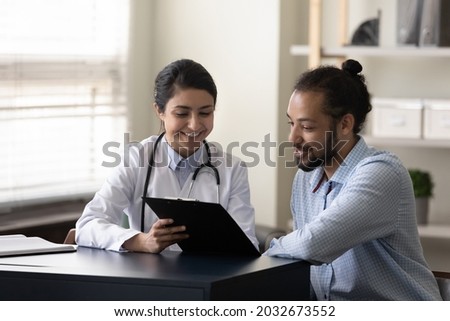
column 293, row 30
column 142, row 121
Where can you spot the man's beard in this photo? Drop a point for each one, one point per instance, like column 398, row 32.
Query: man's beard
column 324, row 154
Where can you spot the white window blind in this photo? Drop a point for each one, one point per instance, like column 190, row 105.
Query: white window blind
column 62, row 95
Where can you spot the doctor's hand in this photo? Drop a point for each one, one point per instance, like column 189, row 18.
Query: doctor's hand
column 160, row 236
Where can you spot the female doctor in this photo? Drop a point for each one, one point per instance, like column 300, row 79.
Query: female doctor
column 164, row 166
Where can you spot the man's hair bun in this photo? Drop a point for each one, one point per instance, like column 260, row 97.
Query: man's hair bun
column 351, row 66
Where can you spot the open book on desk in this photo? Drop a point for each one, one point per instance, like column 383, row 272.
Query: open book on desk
column 17, row 244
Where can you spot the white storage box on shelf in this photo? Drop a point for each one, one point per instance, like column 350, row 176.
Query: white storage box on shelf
column 397, row 118
column 436, row 119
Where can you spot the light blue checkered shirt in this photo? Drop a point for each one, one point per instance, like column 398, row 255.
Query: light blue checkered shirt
column 361, row 235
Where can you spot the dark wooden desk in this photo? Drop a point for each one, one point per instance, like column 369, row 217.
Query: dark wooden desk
column 91, row 274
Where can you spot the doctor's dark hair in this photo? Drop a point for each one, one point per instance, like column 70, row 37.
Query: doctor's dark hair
column 345, row 90
column 182, row 74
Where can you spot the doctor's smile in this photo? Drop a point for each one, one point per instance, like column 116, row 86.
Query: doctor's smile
column 188, row 119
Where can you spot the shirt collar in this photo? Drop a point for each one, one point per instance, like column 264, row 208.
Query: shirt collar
column 174, row 158
column 357, row 153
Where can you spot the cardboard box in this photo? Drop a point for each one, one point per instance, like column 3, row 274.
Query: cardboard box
column 436, row 119
column 397, row 118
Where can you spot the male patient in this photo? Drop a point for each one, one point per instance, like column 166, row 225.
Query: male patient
column 353, row 206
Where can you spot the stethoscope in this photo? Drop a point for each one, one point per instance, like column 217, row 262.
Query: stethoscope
column 151, row 163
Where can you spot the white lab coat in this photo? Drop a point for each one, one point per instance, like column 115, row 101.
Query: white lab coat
column 100, row 224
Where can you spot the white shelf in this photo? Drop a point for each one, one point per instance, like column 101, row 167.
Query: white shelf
column 303, row 50
column 435, row 231
column 316, row 51
column 406, row 142
column 299, row 50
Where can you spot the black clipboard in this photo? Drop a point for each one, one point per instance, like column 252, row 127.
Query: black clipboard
column 211, row 229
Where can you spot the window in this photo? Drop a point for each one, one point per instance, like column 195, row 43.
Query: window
column 62, row 95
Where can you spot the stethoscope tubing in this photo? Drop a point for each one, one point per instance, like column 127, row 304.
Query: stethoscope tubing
column 151, row 163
